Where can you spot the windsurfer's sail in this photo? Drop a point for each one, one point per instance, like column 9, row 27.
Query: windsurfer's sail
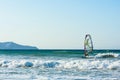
column 88, row 45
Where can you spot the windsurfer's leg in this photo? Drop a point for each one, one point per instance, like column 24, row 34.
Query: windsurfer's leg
column 86, row 54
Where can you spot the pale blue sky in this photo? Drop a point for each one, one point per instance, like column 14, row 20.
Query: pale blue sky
column 60, row 23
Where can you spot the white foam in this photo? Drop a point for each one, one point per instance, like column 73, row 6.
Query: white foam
column 107, row 55
column 115, row 65
column 63, row 64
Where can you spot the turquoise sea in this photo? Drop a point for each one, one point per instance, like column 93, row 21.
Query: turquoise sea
column 59, row 65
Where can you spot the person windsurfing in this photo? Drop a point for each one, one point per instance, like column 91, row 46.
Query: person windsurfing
column 88, row 45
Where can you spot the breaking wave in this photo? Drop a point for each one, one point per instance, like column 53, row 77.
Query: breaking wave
column 63, row 64
column 107, row 55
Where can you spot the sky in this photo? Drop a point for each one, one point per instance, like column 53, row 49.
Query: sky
column 61, row 24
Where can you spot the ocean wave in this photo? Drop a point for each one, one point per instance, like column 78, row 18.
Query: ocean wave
column 62, row 64
column 107, row 55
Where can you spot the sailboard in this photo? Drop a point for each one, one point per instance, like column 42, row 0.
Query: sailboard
column 88, row 45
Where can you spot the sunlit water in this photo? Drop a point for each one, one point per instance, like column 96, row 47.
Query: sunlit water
column 59, row 65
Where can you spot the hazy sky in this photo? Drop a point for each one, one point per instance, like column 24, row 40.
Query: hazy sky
column 60, row 23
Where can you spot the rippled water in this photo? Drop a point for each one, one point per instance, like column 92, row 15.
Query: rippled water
column 59, row 65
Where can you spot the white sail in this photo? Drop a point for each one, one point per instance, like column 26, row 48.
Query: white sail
column 88, row 45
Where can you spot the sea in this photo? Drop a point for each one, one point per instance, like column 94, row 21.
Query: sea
column 59, row 65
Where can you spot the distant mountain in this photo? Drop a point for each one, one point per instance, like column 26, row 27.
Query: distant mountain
column 15, row 46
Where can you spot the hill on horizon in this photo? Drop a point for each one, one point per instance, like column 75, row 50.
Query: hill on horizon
column 15, row 46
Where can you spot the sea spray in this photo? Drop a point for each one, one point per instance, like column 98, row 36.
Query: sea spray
column 59, row 65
